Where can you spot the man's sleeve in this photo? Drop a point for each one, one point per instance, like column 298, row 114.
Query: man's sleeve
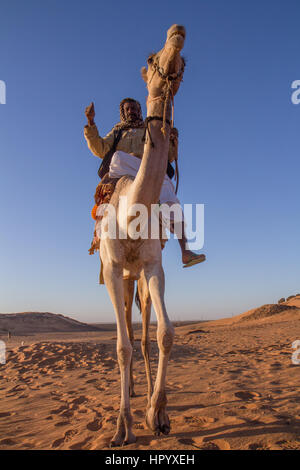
column 99, row 146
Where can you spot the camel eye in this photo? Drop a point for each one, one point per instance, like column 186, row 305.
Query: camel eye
column 150, row 58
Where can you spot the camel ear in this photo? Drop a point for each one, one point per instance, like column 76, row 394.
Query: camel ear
column 144, row 74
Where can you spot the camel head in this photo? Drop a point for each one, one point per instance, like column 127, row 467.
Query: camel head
column 166, row 67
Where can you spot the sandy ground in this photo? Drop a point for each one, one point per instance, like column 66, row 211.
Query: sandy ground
column 231, row 385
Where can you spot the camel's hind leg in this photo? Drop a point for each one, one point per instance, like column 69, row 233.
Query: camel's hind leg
column 128, row 296
column 145, row 302
column 113, row 277
column 156, row 416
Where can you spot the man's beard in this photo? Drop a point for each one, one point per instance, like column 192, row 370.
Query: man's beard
column 132, row 118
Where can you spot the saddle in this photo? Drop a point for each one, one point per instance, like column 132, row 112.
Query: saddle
column 103, row 194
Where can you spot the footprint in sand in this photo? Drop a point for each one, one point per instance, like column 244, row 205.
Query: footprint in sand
column 7, row 442
column 258, row 446
column 95, row 425
column 59, row 410
column 193, row 420
column 78, row 401
column 17, row 388
column 72, row 392
column 67, row 414
column 246, row 395
column 108, row 408
column 62, row 423
column 46, row 384
column 67, row 436
column 186, row 441
column 4, row 414
column 216, row 444
column 80, row 445
column 82, row 376
column 276, row 365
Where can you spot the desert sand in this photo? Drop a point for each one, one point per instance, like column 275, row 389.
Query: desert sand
column 231, row 385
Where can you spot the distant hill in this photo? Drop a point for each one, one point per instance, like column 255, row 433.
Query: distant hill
column 294, row 301
column 286, row 310
column 267, row 310
column 40, row 322
column 291, row 305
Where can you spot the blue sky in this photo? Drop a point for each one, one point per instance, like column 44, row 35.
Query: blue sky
column 238, row 148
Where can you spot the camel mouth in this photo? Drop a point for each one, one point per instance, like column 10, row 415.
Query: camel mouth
column 177, row 33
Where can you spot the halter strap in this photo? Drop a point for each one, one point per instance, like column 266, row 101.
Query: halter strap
column 147, row 121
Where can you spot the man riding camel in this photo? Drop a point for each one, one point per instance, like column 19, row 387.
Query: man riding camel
column 122, row 150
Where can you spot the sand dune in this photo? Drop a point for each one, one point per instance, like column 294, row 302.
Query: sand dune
column 39, row 322
column 295, row 301
column 231, row 385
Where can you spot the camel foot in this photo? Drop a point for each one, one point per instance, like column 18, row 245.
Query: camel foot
column 129, row 440
column 124, row 435
column 158, row 421
column 120, row 441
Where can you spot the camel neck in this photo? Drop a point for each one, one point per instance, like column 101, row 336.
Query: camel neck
column 146, row 187
column 155, row 107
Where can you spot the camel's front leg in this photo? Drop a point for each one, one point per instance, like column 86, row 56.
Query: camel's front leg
column 113, row 277
column 156, row 417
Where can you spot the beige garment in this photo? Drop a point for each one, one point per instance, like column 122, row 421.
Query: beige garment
column 130, row 142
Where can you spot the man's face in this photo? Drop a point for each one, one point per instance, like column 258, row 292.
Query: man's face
column 131, row 111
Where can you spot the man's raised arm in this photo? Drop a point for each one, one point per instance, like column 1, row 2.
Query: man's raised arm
column 98, row 146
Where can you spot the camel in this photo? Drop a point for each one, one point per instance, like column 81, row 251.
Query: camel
column 125, row 260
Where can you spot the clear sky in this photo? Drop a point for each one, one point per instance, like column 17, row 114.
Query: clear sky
column 238, row 148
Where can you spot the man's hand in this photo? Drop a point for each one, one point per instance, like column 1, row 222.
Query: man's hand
column 90, row 114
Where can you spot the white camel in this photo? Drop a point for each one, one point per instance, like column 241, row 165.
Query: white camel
column 125, row 260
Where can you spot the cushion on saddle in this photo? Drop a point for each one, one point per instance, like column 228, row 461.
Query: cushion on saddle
column 105, row 190
column 103, row 194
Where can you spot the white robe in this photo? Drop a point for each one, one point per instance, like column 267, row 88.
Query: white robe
column 125, row 164
column 122, row 164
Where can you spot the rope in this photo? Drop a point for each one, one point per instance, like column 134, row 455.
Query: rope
column 147, row 129
column 176, row 175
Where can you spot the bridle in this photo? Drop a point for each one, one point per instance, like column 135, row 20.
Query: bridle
column 169, row 79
